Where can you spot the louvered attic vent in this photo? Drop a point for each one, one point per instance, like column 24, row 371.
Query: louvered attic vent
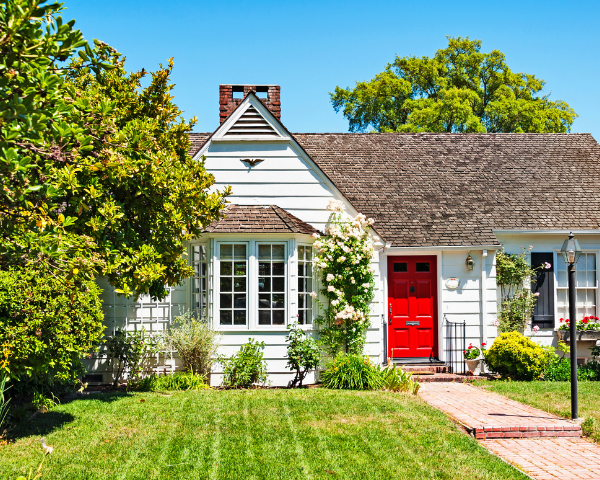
column 251, row 123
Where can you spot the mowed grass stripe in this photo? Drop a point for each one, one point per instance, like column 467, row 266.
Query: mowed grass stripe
column 261, row 434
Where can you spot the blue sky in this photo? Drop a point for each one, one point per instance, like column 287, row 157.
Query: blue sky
column 309, row 47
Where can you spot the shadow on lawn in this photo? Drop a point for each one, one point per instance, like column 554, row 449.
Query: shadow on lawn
column 106, row 397
column 40, row 424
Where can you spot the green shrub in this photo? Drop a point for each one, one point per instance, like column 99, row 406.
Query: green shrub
column 352, row 372
column 397, row 380
column 559, row 370
column 174, row 381
column 302, row 353
column 131, row 351
column 47, row 324
column 515, row 356
column 195, row 341
column 246, row 367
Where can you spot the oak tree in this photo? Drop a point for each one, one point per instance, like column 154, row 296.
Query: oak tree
column 459, row 89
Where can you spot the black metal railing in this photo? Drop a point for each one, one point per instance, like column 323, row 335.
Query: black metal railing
column 456, row 343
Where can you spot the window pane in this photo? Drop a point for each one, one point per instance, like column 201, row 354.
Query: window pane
column 278, row 268
column 581, row 278
column 264, row 269
column 591, row 262
column 301, row 301
column 300, row 252
column 561, row 278
column 301, row 317
column 308, row 254
column 226, row 284
column 278, row 317
column 309, row 269
column 278, row 252
column 278, row 284
column 240, row 284
column 226, row 252
column 400, row 267
column 264, row 300
column 422, row 267
column 225, row 268
column 240, row 268
column 591, row 279
column 226, row 300
column 264, row 317
column 301, row 269
column 225, row 317
column 264, row 284
column 264, row 251
column 239, row 317
column 240, row 251
column 239, row 301
column 278, row 301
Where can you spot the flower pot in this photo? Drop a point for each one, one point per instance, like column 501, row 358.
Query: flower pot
column 475, row 366
column 582, row 335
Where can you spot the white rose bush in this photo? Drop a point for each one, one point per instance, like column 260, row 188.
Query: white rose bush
column 343, row 259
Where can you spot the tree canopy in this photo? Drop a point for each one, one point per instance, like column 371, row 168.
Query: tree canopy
column 95, row 174
column 459, row 89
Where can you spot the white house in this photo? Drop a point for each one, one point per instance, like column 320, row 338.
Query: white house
column 436, row 200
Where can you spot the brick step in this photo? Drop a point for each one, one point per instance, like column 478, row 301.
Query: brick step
column 446, row 377
column 425, row 368
column 487, row 432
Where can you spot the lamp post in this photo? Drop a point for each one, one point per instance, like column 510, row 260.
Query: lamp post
column 571, row 251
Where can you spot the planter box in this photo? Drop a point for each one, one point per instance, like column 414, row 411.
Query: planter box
column 583, row 336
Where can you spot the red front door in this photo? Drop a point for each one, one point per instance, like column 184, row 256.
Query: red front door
column 412, row 307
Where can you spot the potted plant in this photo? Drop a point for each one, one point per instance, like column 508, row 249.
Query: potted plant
column 474, row 358
column 588, row 329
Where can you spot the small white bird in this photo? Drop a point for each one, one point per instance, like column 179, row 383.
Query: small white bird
column 47, row 448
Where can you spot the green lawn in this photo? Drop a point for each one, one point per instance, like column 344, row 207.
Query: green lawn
column 555, row 397
column 271, row 434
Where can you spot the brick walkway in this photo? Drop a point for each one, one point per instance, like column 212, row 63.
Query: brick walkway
column 509, row 430
column 487, row 415
column 550, row 458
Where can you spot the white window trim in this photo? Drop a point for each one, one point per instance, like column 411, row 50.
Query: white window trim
column 188, row 288
column 217, row 286
column 311, row 325
column 556, row 288
column 291, row 269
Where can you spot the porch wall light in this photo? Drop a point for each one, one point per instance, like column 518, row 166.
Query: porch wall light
column 470, row 263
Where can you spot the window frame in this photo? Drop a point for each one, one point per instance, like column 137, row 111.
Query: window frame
column 291, row 272
column 190, row 288
column 286, row 288
column 216, row 317
column 557, row 253
column 307, row 326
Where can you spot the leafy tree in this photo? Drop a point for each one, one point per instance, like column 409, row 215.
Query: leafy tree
column 47, row 324
column 95, row 175
column 459, row 89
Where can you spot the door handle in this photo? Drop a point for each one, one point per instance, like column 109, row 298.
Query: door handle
column 390, row 316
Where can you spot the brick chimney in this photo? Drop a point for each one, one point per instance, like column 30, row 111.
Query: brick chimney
column 227, row 102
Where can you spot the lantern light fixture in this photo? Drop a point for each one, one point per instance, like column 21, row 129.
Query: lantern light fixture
column 470, row 263
column 571, row 251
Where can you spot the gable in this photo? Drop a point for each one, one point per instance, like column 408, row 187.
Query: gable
column 250, row 121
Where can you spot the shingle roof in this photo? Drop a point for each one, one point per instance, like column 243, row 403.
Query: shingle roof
column 430, row 189
column 196, row 141
column 259, row 219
